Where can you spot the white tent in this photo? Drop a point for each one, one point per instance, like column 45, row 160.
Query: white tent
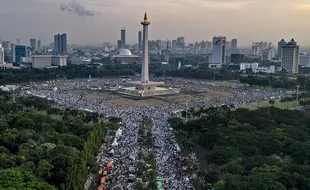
column 114, row 142
column 118, row 133
column 111, row 151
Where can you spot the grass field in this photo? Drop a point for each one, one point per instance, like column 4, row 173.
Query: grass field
column 181, row 97
column 278, row 104
column 228, row 83
column 215, row 94
column 131, row 102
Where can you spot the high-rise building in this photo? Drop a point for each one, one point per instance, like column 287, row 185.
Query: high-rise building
column 218, row 52
column 119, row 44
column 180, row 41
column 255, row 50
column 174, row 44
column 60, row 44
column 234, row 44
column 20, row 51
column 268, row 54
column 123, row 37
column 56, row 43
column 139, row 41
column 38, row 45
column 17, row 41
column 290, row 57
column 1, row 54
column 13, row 54
column 280, row 44
column 63, row 40
column 6, row 45
column 304, row 60
column 33, row 44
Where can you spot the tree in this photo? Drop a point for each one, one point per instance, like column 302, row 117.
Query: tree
column 43, row 170
column 272, row 102
column 20, row 179
column 61, row 166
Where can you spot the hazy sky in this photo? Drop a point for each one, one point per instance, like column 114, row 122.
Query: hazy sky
column 246, row 20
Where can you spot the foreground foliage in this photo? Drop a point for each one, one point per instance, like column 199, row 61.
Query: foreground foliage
column 45, row 147
column 267, row 148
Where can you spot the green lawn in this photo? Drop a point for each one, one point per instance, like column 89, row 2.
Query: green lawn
column 278, row 104
column 228, row 83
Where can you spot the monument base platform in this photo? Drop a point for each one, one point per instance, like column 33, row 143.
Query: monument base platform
column 145, row 90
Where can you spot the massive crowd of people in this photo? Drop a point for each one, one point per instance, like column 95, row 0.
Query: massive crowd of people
column 71, row 94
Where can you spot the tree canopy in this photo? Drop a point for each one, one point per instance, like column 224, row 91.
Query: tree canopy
column 267, row 148
column 43, row 146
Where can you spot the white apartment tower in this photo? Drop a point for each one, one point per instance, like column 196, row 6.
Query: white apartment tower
column 218, row 53
column 290, row 57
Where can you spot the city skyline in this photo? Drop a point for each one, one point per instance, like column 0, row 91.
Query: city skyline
column 247, row 21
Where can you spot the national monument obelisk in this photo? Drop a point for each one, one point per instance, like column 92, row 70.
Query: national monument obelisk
column 145, row 51
column 145, row 87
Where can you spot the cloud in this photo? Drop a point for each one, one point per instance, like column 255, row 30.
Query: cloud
column 77, row 9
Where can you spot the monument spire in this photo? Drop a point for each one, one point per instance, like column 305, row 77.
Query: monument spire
column 145, row 17
column 145, row 51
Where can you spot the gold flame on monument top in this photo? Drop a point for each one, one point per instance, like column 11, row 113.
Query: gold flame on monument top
column 145, row 20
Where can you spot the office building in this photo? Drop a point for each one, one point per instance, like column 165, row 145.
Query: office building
column 255, row 50
column 1, row 54
column 13, row 54
column 237, row 58
column 280, row 44
column 304, row 60
column 20, row 51
column 218, row 52
column 17, row 41
column 123, row 37
column 33, row 44
column 41, row 61
column 268, row 54
column 60, row 43
column 64, row 43
column 139, row 40
column 290, row 57
column 119, row 44
column 38, row 45
column 45, row 61
column 6, row 45
column 174, row 44
column 234, row 44
column 245, row 66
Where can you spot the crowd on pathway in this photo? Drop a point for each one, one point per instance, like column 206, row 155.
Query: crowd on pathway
column 69, row 94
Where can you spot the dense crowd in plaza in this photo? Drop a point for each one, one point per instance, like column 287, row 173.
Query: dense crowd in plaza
column 69, row 94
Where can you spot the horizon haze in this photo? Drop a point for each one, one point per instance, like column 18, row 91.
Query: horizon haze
column 196, row 20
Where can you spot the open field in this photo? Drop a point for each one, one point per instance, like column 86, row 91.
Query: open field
column 215, row 94
column 131, row 102
column 96, row 95
column 228, row 83
column 278, row 104
column 180, row 97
